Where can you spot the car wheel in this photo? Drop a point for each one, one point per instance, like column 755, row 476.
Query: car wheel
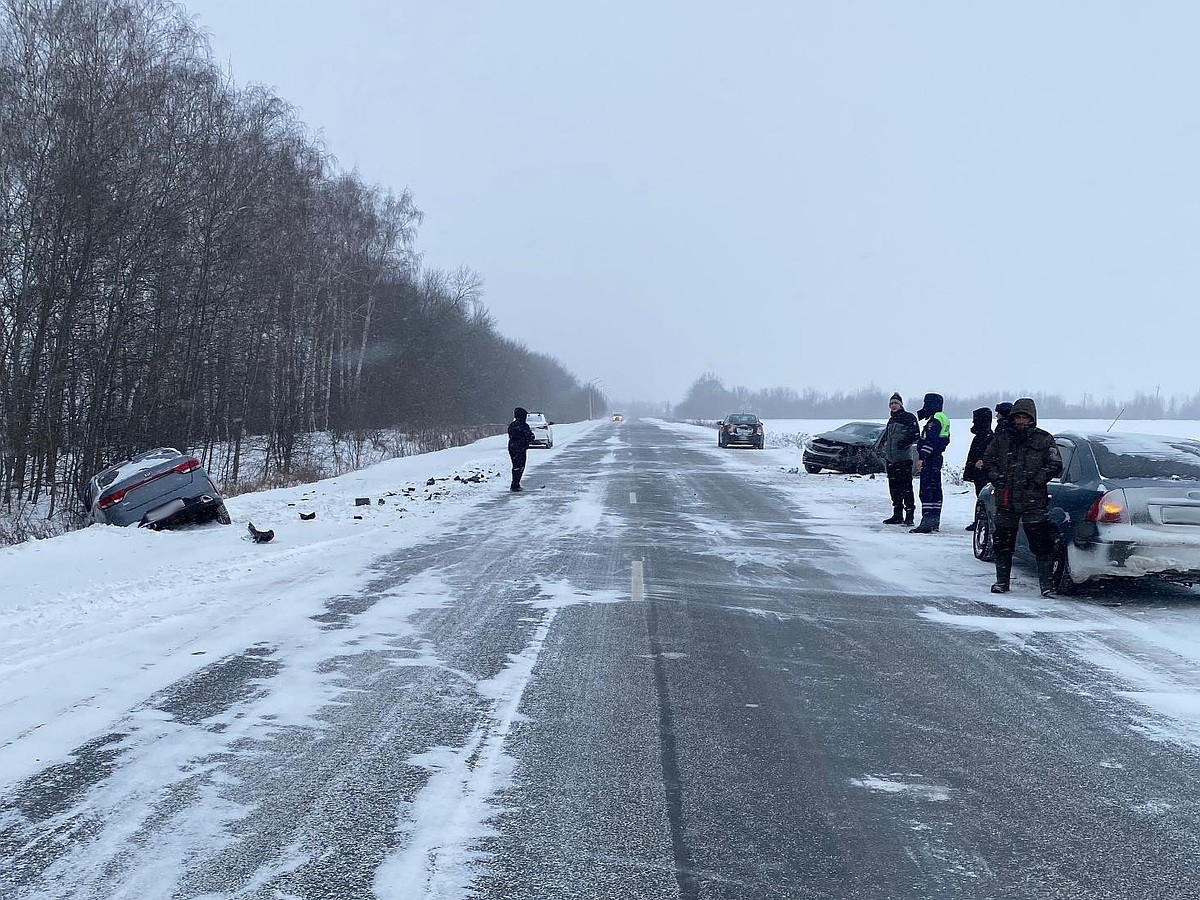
column 811, row 469
column 981, row 538
column 223, row 516
column 1064, row 584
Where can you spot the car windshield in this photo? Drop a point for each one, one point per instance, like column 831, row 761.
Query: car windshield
column 742, row 420
column 535, row 419
column 860, row 429
column 1146, row 456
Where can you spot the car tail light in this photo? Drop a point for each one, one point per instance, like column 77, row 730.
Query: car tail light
column 112, row 499
column 1109, row 508
column 186, row 466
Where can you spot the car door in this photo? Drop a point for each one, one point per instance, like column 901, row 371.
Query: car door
column 1073, row 492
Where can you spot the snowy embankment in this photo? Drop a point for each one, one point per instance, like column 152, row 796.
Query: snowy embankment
column 94, row 621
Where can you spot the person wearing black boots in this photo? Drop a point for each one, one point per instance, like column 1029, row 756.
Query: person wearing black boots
column 896, row 447
column 1020, row 462
column 973, row 471
column 520, row 438
column 934, row 439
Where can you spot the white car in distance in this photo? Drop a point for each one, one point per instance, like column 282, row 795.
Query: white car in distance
column 543, row 434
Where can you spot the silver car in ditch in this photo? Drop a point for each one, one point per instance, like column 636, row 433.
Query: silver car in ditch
column 161, row 488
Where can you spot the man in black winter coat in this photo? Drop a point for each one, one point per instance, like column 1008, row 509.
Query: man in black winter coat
column 1003, row 411
column 1002, row 423
column 981, row 428
column 896, row 447
column 520, row 438
column 1020, row 462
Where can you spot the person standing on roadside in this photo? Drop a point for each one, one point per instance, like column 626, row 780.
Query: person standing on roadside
column 1003, row 411
column 896, row 447
column 973, row 471
column 934, row 439
column 520, row 438
column 1002, row 423
column 1020, row 462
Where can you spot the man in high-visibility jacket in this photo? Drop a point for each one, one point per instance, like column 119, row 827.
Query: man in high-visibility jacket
column 934, row 439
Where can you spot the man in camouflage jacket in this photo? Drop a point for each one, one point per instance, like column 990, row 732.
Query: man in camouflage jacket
column 1020, row 462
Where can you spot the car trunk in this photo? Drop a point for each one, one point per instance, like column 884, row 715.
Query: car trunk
column 1171, row 508
column 169, row 484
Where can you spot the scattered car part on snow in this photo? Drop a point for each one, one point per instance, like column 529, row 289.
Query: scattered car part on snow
column 260, row 537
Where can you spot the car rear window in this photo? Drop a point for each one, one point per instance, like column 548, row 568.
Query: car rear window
column 1146, row 456
column 743, row 420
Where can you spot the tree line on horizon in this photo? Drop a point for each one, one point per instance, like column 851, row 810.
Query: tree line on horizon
column 183, row 263
column 709, row 398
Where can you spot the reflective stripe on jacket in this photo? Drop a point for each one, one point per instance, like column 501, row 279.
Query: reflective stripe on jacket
column 935, row 437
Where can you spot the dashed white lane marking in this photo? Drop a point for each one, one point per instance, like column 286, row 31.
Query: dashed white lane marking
column 637, row 588
column 632, row 497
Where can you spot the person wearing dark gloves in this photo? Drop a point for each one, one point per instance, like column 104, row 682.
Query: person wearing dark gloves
column 895, row 445
column 1020, row 462
column 520, row 438
column 934, row 439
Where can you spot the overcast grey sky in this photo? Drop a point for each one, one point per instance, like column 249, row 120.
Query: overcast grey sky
column 933, row 195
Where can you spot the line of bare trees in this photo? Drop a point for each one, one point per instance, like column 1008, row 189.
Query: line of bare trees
column 709, row 398
column 182, row 263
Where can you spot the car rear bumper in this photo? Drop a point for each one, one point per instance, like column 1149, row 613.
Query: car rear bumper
column 1134, row 559
column 183, row 511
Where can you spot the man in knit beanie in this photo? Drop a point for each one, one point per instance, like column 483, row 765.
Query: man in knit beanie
column 896, row 447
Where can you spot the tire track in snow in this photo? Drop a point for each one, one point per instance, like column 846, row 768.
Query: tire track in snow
column 449, row 817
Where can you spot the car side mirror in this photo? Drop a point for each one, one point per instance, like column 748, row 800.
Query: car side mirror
column 548, row 422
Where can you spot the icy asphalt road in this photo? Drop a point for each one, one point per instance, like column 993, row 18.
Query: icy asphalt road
column 656, row 674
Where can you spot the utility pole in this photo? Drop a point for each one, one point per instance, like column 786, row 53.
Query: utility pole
column 591, row 393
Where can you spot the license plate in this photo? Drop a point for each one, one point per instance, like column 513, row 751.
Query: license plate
column 1181, row 515
column 162, row 512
